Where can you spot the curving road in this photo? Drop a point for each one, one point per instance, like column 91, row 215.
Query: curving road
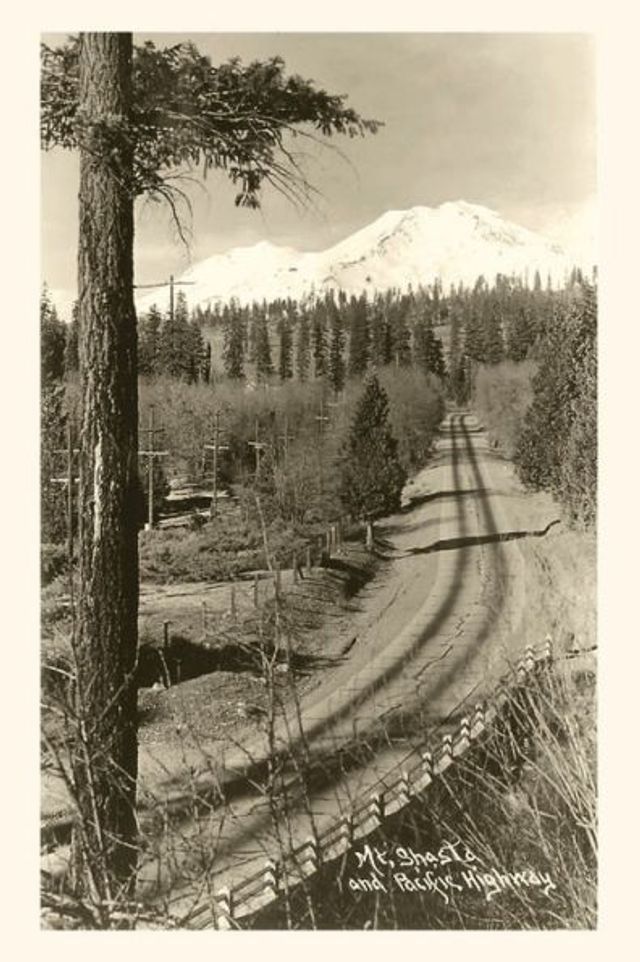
column 438, row 630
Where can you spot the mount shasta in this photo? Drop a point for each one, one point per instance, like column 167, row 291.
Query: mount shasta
column 454, row 242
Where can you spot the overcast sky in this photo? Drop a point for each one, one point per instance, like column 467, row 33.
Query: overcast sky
column 504, row 120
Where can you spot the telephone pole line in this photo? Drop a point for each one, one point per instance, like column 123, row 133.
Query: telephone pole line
column 171, row 284
column 151, row 454
column 216, row 447
column 322, row 419
column 258, row 446
column 285, row 438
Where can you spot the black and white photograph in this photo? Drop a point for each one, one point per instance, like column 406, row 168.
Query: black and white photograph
column 318, row 463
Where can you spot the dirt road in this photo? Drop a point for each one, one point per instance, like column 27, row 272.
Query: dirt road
column 440, row 627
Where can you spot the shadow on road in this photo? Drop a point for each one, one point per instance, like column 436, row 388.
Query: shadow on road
column 447, row 544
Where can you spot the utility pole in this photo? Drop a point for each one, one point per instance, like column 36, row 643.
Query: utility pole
column 322, row 419
column 285, row 438
column 151, row 454
column 258, row 446
column 216, row 447
column 171, row 284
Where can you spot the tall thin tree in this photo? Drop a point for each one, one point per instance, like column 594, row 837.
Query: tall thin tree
column 105, row 644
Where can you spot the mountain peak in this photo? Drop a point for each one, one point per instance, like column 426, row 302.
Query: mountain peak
column 456, row 241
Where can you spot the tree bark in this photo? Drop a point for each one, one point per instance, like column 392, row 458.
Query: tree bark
column 105, row 639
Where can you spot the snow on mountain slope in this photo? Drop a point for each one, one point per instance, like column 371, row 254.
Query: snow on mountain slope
column 455, row 242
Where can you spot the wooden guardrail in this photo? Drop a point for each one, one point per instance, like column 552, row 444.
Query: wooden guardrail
column 416, row 772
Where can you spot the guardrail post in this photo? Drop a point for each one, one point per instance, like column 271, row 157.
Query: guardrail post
column 377, row 805
column 270, row 876
column 224, row 909
column 478, row 725
column 463, row 737
column 312, row 856
column 529, row 658
column 405, row 785
column 445, row 754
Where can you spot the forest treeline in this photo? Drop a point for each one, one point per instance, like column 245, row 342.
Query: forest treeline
column 288, row 375
column 544, row 412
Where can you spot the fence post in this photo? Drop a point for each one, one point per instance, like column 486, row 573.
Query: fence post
column 256, row 590
column 369, row 536
column 308, row 559
column 165, row 635
column 278, row 583
column 294, row 564
column 548, row 649
column 204, row 619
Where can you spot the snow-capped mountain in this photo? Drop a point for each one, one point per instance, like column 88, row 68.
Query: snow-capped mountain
column 454, row 242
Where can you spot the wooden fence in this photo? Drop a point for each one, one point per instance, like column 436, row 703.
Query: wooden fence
column 417, row 771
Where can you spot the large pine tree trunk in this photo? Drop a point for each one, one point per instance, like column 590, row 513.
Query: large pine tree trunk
column 105, row 759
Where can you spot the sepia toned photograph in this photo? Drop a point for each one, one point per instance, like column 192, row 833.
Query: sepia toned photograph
column 318, row 481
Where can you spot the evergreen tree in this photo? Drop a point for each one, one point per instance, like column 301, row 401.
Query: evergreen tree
column 71, row 358
column 372, row 477
column 52, row 342
column 264, row 364
column 303, row 348
column 557, row 445
column 149, row 342
column 233, row 346
column 474, row 338
column 319, row 345
column 380, row 331
column 493, row 339
column 175, row 346
column 358, row 337
column 400, row 333
column 195, row 352
column 519, row 334
column 336, row 365
column 285, row 358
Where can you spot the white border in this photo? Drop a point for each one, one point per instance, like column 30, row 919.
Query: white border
column 620, row 358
